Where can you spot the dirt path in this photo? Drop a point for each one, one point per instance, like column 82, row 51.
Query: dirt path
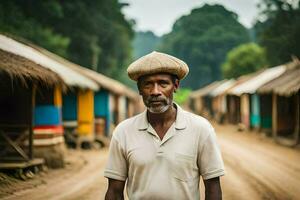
column 82, row 179
column 256, row 168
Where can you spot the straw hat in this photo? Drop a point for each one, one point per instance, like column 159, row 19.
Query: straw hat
column 157, row 62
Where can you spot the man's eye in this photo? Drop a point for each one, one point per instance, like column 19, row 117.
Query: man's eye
column 147, row 85
column 164, row 84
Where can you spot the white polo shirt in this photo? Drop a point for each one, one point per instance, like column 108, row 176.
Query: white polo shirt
column 168, row 168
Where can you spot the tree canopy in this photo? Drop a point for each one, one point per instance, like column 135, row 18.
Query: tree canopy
column 202, row 40
column 278, row 29
column 144, row 43
column 244, row 59
column 94, row 34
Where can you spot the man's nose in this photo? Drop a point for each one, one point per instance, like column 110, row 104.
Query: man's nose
column 155, row 90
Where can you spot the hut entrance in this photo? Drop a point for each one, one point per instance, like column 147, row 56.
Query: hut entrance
column 15, row 121
column 16, row 127
column 234, row 109
column 266, row 113
column 287, row 115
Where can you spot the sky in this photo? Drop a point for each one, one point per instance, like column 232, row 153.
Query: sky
column 158, row 16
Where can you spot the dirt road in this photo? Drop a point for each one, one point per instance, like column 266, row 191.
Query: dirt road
column 256, row 168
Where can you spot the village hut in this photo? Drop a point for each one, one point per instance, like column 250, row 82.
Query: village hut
column 77, row 108
column 114, row 102
column 21, row 80
column 201, row 102
column 233, row 102
column 219, row 100
column 249, row 100
column 281, row 109
column 48, row 130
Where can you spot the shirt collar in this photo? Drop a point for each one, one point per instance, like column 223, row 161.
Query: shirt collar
column 180, row 122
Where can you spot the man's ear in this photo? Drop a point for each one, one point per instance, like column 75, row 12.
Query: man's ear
column 176, row 85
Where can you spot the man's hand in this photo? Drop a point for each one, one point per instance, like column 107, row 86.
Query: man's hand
column 213, row 189
column 115, row 190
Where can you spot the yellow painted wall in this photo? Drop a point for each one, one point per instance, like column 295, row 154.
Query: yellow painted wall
column 57, row 96
column 85, row 113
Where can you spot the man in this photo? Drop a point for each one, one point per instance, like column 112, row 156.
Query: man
column 162, row 152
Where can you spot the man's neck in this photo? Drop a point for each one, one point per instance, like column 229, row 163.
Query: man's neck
column 169, row 116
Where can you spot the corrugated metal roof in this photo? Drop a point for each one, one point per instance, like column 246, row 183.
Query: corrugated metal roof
column 70, row 77
column 222, row 88
column 206, row 89
column 250, row 86
column 286, row 84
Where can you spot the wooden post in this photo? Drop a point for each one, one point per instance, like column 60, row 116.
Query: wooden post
column 274, row 116
column 117, row 111
column 33, row 93
column 297, row 131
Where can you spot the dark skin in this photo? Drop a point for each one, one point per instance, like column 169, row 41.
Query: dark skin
column 115, row 190
column 161, row 86
column 213, row 189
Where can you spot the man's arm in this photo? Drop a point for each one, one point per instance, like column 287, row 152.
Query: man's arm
column 115, row 190
column 213, row 189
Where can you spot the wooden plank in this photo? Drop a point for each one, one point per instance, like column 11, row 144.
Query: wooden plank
column 297, row 128
column 22, row 165
column 14, row 125
column 30, row 138
column 14, row 145
column 274, row 116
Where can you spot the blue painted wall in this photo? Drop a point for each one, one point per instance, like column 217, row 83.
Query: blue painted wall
column 255, row 111
column 69, row 108
column 101, row 108
column 47, row 115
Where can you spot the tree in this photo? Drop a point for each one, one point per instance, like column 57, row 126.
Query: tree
column 14, row 20
column 202, row 40
column 93, row 34
column 144, row 43
column 278, row 29
column 244, row 59
column 182, row 95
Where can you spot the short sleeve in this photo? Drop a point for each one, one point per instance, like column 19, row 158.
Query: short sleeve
column 116, row 167
column 210, row 161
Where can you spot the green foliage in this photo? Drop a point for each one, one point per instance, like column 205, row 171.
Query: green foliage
column 144, row 43
column 182, row 95
column 90, row 33
column 202, row 40
column 13, row 20
column 279, row 32
column 244, row 59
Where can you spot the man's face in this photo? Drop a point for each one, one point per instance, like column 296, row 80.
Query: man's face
column 157, row 92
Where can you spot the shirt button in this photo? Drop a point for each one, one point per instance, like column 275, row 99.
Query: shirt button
column 160, row 152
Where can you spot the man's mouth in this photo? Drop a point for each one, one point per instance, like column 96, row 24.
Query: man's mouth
column 156, row 102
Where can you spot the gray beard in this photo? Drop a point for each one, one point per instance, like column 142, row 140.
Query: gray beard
column 158, row 110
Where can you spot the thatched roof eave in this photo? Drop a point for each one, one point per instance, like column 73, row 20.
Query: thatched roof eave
column 25, row 70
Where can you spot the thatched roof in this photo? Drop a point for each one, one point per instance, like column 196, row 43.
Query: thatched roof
column 250, row 86
column 205, row 90
column 70, row 77
column 18, row 67
column 109, row 84
column 287, row 84
column 222, row 88
column 103, row 81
